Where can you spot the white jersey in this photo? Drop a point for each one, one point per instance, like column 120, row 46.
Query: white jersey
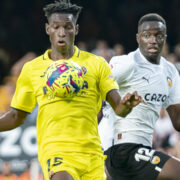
column 159, row 85
column 106, row 127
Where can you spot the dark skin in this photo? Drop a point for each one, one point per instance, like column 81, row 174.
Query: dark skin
column 151, row 38
column 62, row 29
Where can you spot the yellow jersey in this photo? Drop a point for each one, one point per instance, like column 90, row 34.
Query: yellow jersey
column 65, row 124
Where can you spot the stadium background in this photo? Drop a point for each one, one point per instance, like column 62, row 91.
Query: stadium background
column 22, row 37
column 22, row 23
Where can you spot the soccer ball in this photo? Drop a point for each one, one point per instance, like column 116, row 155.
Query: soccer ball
column 64, row 78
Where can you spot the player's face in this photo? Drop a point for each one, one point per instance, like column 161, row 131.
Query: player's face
column 62, row 30
column 151, row 38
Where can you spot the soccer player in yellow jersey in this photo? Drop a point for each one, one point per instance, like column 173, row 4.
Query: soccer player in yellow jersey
column 67, row 136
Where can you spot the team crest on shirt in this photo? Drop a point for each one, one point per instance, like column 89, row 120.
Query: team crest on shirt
column 111, row 66
column 169, row 80
column 155, row 160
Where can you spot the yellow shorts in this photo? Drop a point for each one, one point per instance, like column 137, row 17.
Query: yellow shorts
column 80, row 166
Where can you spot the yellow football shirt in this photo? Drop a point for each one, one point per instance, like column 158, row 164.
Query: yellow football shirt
column 65, row 124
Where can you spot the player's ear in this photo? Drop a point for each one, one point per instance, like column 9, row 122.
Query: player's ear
column 77, row 29
column 47, row 28
column 137, row 38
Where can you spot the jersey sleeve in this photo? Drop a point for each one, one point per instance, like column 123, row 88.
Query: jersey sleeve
column 24, row 97
column 106, row 80
column 122, row 68
column 174, row 94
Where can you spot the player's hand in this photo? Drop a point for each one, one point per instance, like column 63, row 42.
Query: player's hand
column 132, row 100
column 128, row 103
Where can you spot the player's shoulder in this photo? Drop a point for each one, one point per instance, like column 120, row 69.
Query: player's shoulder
column 37, row 59
column 170, row 67
column 118, row 59
column 93, row 57
column 123, row 60
column 122, row 67
column 33, row 62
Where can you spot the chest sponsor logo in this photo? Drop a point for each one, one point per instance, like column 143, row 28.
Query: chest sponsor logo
column 155, row 97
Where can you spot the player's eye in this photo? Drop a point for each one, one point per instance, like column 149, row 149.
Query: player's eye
column 69, row 27
column 55, row 26
column 147, row 36
column 160, row 36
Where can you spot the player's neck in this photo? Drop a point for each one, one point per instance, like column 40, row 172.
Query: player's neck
column 155, row 60
column 61, row 54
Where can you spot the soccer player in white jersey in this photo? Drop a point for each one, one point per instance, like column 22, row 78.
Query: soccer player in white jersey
column 158, row 82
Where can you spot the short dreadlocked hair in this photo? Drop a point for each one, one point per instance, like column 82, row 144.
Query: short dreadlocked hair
column 62, row 6
column 151, row 17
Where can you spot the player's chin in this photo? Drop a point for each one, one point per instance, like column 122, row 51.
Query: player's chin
column 153, row 54
column 62, row 46
column 153, row 58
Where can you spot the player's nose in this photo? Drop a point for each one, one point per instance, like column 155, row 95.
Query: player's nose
column 61, row 32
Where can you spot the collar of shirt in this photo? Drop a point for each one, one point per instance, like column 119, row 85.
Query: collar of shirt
column 140, row 59
column 46, row 54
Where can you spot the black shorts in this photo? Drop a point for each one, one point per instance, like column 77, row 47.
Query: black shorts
column 130, row 161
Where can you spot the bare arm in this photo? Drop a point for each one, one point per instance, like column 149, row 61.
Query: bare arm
column 100, row 114
column 12, row 119
column 174, row 113
column 122, row 107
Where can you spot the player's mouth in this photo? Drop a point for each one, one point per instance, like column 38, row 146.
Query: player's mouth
column 153, row 50
column 61, row 43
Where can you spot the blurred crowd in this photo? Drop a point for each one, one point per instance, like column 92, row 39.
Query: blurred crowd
column 22, row 26
column 32, row 172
